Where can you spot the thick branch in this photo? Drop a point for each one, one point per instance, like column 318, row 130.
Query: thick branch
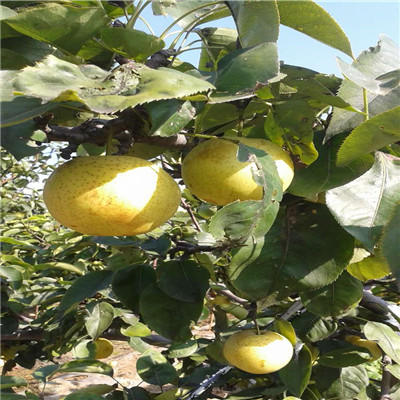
column 127, row 129
column 386, row 379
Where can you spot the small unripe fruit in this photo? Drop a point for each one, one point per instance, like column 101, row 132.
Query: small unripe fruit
column 111, row 195
column 258, row 353
column 212, row 172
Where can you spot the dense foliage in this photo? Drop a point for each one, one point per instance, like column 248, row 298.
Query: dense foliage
column 318, row 263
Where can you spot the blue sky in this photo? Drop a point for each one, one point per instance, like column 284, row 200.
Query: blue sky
column 362, row 21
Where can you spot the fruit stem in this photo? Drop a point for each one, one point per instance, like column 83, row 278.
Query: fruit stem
column 109, row 146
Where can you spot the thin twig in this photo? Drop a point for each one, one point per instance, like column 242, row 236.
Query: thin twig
column 187, row 207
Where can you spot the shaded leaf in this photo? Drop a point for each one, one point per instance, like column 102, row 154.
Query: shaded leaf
column 313, row 328
column 154, row 368
column 296, row 375
column 44, row 373
column 323, row 174
column 131, row 43
column 287, row 261
column 7, row 382
column 167, row 316
column 311, row 19
column 335, row 298
column 63, row 25
column 374, row 62
column 15, row 139
column 343, row 383
column 340, row 354
column 291, row 123
column 89, row 366
column 129, row 283
column 285, row 328
column 184, row 280
column 13, row 274
column 84, row 287
column 240, row 72
column 217, row 42
column 377, row 132
column 394, row 369
column 257, row 22
column 180, row 350
column 364, row 206
column 100, row 318
column 169, row 117
column 76, row 269
column 387, row 339
column 84, row 396
column 21, row 109
column 390, row 242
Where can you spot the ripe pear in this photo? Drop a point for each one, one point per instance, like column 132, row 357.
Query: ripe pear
column 111, row 195
column 212, row 172
column 258, row 353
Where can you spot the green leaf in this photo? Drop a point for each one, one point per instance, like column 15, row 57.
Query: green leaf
column 246, row 219
column 51, row 77
column 13, row 275
column 65, row 26
column 287, row 261
column 7, row 382
column 257, row 22
column 136, row 330
column 317, row 89
column 169, row 117
column 375, row 133
column 129, row 283
column 181, row 350
column 374, row 62
column 217, row 42
column 311, row 328
column 131, row 43
column 22, row 109
column 241, row 72
column 311, row 19
column 5, row 30
column 215, row 115
column 85, row 287
column 154, row 368
column 340, row 354
column 100, row 318
column 364, row 206
column 291, row 123
column 44, row 373
column 323, row 174
column 371, row 267
column 341, row 383
column 335, row 298
column 184, row 10
column 18, row 52
column 160, row 84
column 296, row 375
column 394, row 369
column 387, row 339
column 390, row 241
column 88, row 366
column 167, row 316
column 84, row 396
column 184, row 280
column 285, row 328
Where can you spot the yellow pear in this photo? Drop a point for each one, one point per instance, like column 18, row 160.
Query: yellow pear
column 258, row 353
column 111, row 195
column 212, row 172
